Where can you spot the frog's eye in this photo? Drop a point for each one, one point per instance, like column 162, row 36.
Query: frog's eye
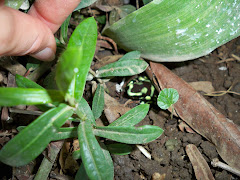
column 141, row 89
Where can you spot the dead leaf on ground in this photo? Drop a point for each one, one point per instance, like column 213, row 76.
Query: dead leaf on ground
column 203, row 117
column 106, row 60
column 205, row 86
column 113, row 109
column 200, row 166
column 183, row 126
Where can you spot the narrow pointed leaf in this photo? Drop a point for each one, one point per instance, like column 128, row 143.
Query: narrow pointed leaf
column 65, row 133
column 131, row 55
column 75, row 62
column 92, row 154
column 23, row 82
column 33, row 139
column 119, row 149
column 177, row 30
column 130, row 135
column 84, row 111
column 98, row 101
column 64, row 30
column 132, row 117
column 26, row 83
column 28, row 96
column 123, row 68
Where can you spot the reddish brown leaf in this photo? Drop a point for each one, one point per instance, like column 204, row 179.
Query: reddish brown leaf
column 200, row 166
column 202, row 116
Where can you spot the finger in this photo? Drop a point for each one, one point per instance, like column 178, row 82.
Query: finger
column 21, row 34
column 54, row 12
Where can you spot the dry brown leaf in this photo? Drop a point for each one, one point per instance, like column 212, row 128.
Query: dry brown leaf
column 205, row 86
column 200, row 166
column 113, row 109
column 106, row 60
column 183, row 126
column 203, row 117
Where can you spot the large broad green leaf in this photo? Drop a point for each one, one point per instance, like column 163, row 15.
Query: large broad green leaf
column 93, row 156
column 119, row 149
column 129, row 135
column 16, row 4
column 84, row 3
column 81, row 173
column 178, row 30
column 123, row 68
column 98, row 101
column 74, row 63
column 33, row 139
column 28, row 96
column 131, row 55
column 132, row 117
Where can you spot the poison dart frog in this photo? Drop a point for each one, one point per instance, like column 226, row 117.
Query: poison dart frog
column 141, row 89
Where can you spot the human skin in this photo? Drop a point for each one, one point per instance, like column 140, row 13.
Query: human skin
column 32, row 33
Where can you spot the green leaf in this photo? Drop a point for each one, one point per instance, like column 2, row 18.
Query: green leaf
column 64, row 30
column 84, row 3
column 123, row 68
column 74, row 63
column 65, row 133
column 33, row 139
column 177, row 30
column 26, row 83
column 167, row 97
column 28, row 96
column 129, row 135
column 16, row 4
column 98, row 101
column 92, row 154
column 119, row 149
column 81, row 173
column 84, row 111
column 132, row 117
column 131, row 55
column 76, row 154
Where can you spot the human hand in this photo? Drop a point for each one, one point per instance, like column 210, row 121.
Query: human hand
column 32, row 33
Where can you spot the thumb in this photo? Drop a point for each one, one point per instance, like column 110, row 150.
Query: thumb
column 22, row 34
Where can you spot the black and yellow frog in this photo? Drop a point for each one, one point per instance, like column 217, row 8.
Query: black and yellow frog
column 141, row 89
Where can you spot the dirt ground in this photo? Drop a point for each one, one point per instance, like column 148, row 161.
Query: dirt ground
column 172, row 162
column 169, row 158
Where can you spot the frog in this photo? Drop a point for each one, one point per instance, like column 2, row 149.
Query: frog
column 141, row 89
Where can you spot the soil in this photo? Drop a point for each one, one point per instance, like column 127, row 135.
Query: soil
column 169, row 158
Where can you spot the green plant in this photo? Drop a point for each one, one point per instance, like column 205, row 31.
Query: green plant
column 177, row 30
column 66, row 103
column 167, row 98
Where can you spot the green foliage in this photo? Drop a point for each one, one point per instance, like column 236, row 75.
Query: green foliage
column 167, row 97
column 98, row 102
column 177, row 30
column 67, row 103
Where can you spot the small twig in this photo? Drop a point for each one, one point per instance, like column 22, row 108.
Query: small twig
column 144, row 151
column 235, row 57
column 221, row 93
column 216, row 163
column 110, row 40
column 226, row 60
column 20, row 111
column 137, row 4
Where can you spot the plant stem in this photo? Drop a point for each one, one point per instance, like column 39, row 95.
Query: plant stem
column 94, row 74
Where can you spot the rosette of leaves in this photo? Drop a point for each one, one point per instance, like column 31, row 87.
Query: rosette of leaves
column 66, row 103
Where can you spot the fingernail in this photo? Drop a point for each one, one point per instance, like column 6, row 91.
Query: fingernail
column 46, row 54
